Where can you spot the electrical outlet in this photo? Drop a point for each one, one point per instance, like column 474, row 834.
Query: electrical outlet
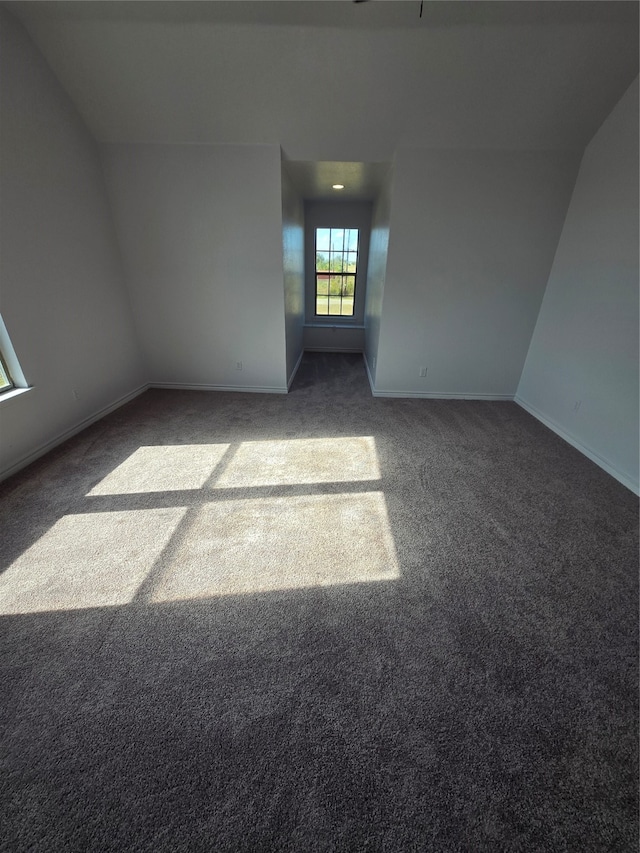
column 373, row 361
column 576, row 405
column 423, row 372
column 76, row 394
column 238, row 365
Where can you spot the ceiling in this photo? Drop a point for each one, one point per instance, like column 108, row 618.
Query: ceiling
column 339, row 81
column 387, row 14
column 315, row 180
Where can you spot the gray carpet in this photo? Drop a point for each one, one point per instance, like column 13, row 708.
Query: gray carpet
column 318, row 622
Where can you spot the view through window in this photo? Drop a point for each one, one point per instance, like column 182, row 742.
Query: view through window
column 336, row 268
column 5, row 379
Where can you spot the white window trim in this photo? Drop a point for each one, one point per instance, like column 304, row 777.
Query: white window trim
column 6, row 396
column 357, row 277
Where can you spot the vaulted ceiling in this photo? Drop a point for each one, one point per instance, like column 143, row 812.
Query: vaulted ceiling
column 341, row 81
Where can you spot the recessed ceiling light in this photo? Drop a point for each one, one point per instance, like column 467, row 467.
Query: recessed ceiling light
column 338, row 186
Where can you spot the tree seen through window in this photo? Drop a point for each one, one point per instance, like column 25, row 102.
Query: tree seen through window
column 336, row 268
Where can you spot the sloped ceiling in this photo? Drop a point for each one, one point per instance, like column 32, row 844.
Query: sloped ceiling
column 339, row 81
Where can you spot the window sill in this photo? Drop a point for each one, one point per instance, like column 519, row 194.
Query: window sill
column 333, row 325
column 13, row 394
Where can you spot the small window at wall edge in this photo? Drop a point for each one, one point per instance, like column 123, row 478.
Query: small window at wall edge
column 12, row 379
column 6, row 382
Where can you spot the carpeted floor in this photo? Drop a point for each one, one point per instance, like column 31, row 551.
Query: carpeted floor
column 318, row 622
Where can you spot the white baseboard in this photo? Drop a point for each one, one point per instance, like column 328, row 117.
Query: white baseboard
column 295, row 369
column 591, row 454
column 429, row 395
column 69, row 433
column 190, row 386
column 333, row 349
column 440, row 395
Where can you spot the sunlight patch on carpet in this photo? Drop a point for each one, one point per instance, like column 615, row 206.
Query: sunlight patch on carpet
column 160, row 468
column 250, row 546
column 301, row 462
column 88, row 560
column 210, row 547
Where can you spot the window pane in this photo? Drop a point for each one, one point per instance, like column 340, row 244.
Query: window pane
column 5, row 381
column 322, row 305
column 334, row 305
column 347, row 306
column 322, row 285
column 335, row 287
column 336, row 263
column 322, row 239
column 337, row 239
column 351, row 242
column 348, row 290
column 351, row 259
column 322, row 261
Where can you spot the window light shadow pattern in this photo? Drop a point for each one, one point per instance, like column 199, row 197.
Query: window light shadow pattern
column 88, row 560
column 244, row 518
column 169, row 468
column 264, row 544
column 304, row 461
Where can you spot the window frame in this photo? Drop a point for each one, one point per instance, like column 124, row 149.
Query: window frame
column 331, row 273
column 12, row 369
column 322, row 213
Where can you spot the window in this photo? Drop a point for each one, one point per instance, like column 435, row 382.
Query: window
column 12, row 380
column 6, row 383
column 336, row 268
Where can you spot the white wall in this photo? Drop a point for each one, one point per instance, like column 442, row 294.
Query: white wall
column 62, row 293
column 473, row 235
column 333, row 339
column 200, row 228
column 378, row 253
column 581, row 373
column 293, row 262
